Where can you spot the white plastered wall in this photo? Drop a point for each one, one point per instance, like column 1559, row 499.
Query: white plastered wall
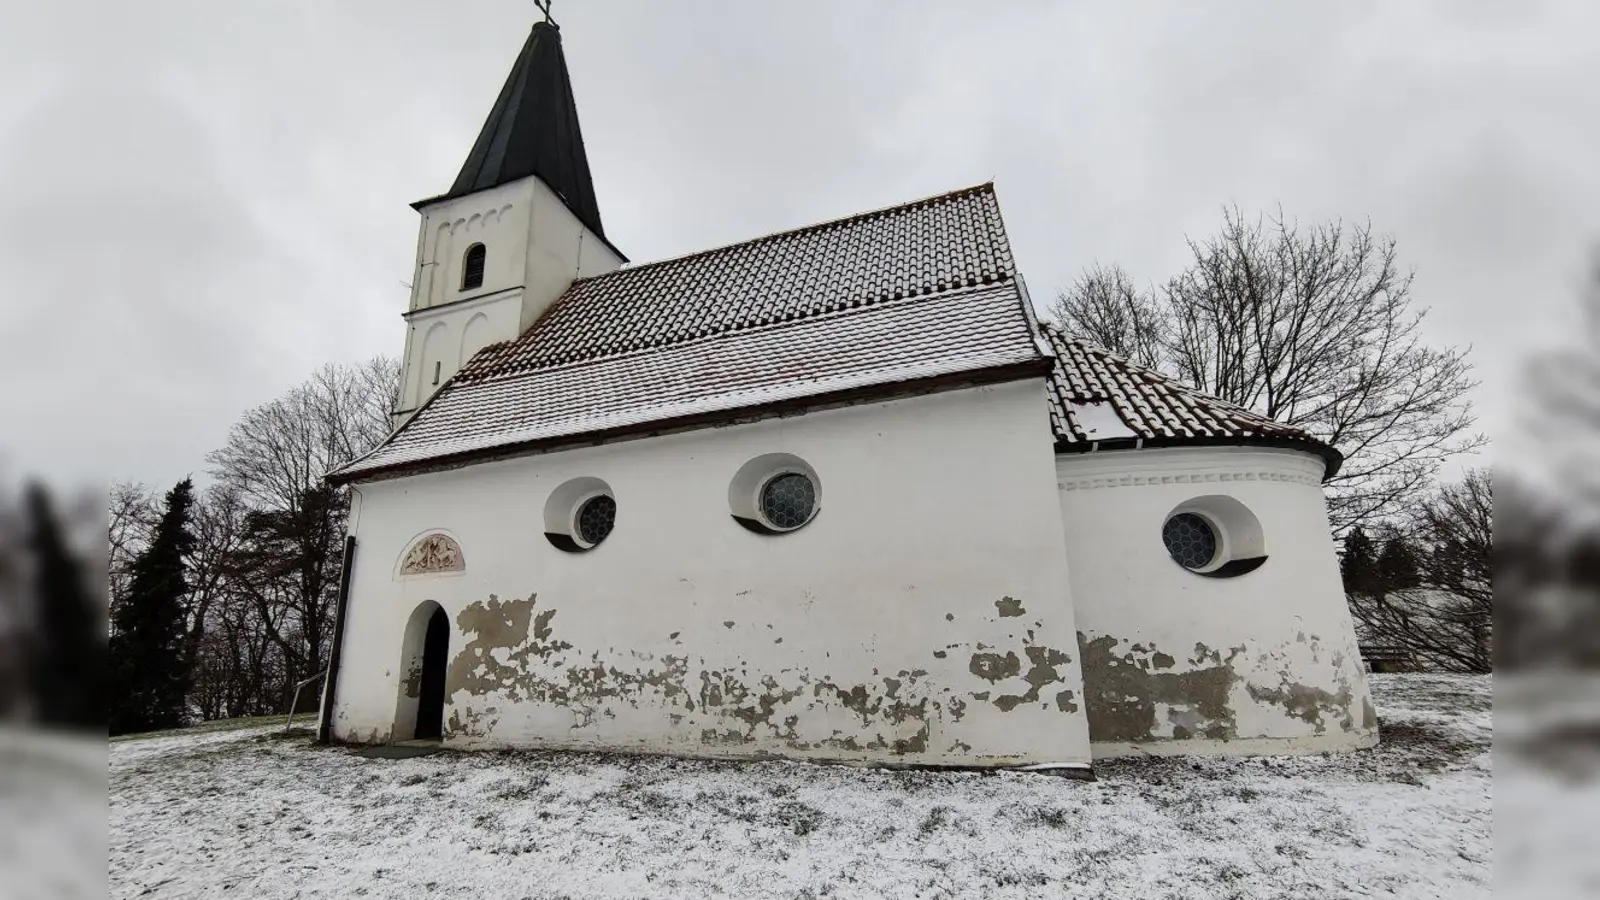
column 922, row 617
column 1175, row 662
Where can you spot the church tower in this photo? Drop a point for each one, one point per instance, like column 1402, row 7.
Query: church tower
column 519, row 224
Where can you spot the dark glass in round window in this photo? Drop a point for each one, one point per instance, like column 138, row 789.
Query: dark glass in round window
column 595, row 519
column 788, row 500
column 1190, row 539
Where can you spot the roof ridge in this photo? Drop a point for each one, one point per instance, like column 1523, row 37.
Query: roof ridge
column 865, row 307
column 985, row 187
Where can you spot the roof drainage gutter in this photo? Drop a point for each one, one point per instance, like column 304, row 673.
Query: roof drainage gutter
column 994, row 374
column 330, row 687
column 1332, row 459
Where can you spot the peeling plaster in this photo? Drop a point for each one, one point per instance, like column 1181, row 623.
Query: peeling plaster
column 1122, row 692
column 513, row 651
column 501, row 625
column 1316, row 706
column 470, row 723
column 992, row 667
column 411, row 685
column 1308, row 704
column 1041, row 673
column 1009, row 607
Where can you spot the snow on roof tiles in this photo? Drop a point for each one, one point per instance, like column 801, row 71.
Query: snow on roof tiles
column 917, row 291
column 940, row 244
column 912, row 292
column 1155, row 408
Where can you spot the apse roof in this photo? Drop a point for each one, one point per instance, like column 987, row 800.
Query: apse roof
column 1098, row 400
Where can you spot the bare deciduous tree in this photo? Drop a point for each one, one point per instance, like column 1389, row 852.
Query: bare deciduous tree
column 286, row 565
column 278, row 450
column 1429, row 594
column 265, row 560
column 1106, row 307
column 131, row 515
column 219, row 532
column 1457, row 522
column 1313, row 327
column 239, row 669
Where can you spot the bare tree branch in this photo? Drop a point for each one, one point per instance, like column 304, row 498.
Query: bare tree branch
column 270, row 535
column 1104, row 306
column 1312, row 326
column 1430, row 593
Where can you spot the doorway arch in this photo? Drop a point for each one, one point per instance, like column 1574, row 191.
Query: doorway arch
column 424, row 656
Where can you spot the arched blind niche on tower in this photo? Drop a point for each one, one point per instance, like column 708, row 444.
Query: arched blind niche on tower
column 472, row 267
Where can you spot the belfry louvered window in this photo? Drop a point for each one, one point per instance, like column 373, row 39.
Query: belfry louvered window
column 472, row 268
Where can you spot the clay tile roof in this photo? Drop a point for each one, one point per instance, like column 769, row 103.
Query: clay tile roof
column 1097, row 397
column 919, row 291
column 951, row 242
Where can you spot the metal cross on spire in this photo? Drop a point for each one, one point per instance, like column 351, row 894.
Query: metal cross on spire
column 544, row 7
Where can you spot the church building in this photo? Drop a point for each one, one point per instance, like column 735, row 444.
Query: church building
column 833, row 493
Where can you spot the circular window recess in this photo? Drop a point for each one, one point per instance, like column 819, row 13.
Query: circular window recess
column 1216, row 536
column 596, row 515
column 580, row 514
column 775, row 493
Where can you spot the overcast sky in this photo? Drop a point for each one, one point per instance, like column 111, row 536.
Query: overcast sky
column 204, row 201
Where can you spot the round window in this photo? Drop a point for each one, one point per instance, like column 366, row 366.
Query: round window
column 788, row 500
column 1191, row 540
column 595, row 518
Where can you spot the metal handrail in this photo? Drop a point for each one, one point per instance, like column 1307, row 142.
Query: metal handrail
column 287, row 723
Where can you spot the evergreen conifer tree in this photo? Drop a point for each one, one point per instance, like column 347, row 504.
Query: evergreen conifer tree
column 1398, row 569
column 149, row 677
column 1357, row 564
column 69, row 659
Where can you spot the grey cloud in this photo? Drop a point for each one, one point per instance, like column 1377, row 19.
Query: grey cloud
column 205, row 201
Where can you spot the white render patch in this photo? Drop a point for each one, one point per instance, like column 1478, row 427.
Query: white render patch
column 264, row 817
column 1099, row 421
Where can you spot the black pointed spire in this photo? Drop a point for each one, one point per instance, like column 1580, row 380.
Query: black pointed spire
column 533, row 130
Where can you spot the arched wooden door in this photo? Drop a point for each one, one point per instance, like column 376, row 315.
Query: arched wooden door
column 435, row 656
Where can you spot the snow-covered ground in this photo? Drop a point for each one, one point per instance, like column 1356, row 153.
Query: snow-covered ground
column 52, row 814
column 1547, row 805
column 246, row 813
